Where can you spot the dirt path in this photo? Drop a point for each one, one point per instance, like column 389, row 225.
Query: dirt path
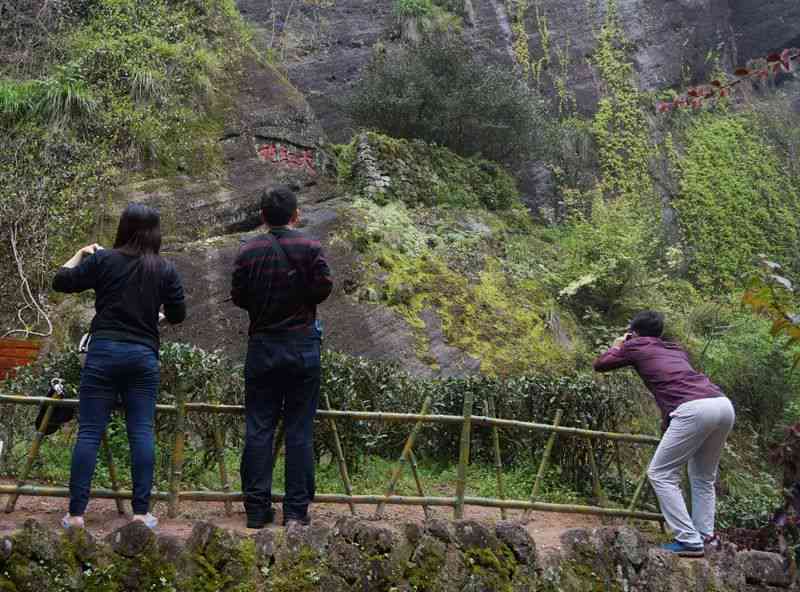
column 102, row 518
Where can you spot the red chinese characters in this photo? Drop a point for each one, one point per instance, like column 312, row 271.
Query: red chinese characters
column 296, row 159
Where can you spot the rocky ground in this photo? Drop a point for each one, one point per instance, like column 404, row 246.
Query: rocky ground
column 354, row 554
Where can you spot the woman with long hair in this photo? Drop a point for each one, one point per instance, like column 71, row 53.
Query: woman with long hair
column 131, row 284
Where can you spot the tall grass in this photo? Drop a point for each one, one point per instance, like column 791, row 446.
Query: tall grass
column 59, row 98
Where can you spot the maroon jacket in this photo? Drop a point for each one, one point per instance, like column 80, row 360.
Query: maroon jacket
column 665, row 369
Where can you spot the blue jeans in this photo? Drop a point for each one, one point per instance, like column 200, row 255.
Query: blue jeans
column 116, row 368
column 282, row 379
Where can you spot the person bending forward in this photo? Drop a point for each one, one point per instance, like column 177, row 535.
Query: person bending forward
column 696, row 418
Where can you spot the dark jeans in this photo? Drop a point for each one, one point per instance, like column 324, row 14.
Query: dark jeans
column 116, row 368
column 282, row 378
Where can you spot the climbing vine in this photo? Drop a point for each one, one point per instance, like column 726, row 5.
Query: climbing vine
column 620, row 126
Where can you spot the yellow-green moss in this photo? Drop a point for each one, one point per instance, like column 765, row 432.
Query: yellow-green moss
column 494, row 568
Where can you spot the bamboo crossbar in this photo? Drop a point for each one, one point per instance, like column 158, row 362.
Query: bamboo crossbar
column 376, row 416
column 333, row 498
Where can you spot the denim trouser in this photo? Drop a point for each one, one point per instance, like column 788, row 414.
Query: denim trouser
column 282, row 378
column 695, row 436
column 130, row 370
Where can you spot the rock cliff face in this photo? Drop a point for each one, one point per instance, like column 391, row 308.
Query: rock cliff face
column 328, row 45
column 366, row 556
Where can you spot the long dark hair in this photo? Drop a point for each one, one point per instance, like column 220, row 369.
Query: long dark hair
column 139, row 233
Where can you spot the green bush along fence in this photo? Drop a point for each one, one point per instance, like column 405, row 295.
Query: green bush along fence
column 182, row 408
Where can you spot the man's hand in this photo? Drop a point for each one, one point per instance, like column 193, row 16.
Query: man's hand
column 619, row 341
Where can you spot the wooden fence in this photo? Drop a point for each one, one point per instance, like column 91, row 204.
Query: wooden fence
column 407, row 459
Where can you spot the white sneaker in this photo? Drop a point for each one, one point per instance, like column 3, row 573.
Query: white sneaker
column 148, row 519
column 68, row 522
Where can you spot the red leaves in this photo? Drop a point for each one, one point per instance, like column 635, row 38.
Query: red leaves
column 763, row 69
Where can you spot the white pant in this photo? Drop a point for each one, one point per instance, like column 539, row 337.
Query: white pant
column 695, row 435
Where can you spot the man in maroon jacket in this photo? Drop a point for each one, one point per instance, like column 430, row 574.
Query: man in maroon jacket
column 279, row 278
column 696, row 419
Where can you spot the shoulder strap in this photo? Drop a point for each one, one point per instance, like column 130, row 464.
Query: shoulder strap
column 276, row 244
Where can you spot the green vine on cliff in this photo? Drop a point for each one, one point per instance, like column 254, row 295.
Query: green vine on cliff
column 620, row 125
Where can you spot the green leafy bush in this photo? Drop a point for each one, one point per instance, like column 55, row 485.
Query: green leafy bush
column 116, row 82
column 735, row 200
column 438, row 91
column 351, row 384
column 386, row 169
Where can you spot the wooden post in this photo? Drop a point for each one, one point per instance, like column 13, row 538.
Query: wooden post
column 178, row 452
column 219, row 445
column 404, row 456
column 112, row 471
column 548, row 449
column 489, row 411
column 623, row 486
column 420, row 491
column 463, row 457
column 337, row 443
column 597, row 489
column 638, row 491
column 58, row 393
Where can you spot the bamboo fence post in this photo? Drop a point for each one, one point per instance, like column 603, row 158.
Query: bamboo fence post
column 489, row 411
column 112, row 471
column 33, row 453
column 638, row 491
column 622, row 484
column 337, row 443
column 463, row 457
column 219, row 444
column 548, row 449
column 177, row 453
column 597, row 489
column 420, row 491
column 404, row 455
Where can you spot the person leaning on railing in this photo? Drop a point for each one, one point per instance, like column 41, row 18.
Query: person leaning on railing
column 696, row 419
column 131, row 283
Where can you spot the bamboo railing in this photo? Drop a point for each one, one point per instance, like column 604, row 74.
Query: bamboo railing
column 467, row 421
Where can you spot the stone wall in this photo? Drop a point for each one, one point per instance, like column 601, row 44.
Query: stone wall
column 355, row 555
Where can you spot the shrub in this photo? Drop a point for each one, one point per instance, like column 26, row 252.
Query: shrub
column 735, row 200
column 351, row 384
column 438, row 91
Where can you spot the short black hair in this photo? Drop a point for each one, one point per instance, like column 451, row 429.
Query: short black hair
column 648, row 323
column 278, row 205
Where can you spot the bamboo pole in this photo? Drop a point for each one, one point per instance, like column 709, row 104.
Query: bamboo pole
column 379, row 416
column 597, row 489
column 112, row 471
column 219, row 445
column 337, row 443
column 489, row 411
column 414, row 469
column 548, row 449
column 33, row 452
column 463, row 457
column 620, row 472
column 331, row 498
column 177, row 453
column 398, row 470
column 638, row 491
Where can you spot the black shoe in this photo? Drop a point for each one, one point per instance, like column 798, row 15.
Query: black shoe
column 258, row 521
column 305, row 521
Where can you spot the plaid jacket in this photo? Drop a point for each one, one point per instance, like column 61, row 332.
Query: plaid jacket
column 261, row 284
